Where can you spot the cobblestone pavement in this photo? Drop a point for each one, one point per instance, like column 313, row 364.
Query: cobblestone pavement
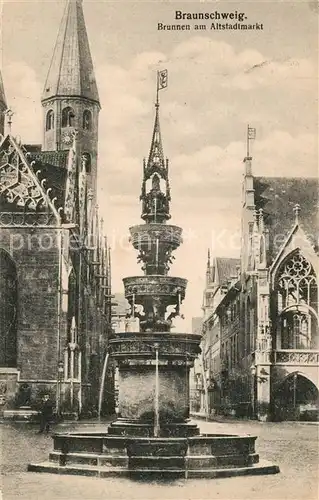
column 293, row 446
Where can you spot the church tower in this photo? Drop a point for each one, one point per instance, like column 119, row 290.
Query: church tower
column 3, row 106
column 70, row 97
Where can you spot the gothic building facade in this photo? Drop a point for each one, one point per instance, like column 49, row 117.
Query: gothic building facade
column 262, row 330
column 220, row 272
column 55, row 302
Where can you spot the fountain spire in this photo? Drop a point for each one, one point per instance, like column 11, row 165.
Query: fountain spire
column 156, row 155
column 155, row 194
column 156, row 240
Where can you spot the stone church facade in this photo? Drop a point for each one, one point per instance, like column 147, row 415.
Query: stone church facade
column 55, row 299
column 260, row 325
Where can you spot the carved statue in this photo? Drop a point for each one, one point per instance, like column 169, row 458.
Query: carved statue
column 173, row 313
column 138, row 311
column 156, row 185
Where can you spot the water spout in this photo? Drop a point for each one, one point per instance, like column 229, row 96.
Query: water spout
column 155, row 209
column 133, row 305
column 156, row 398
column 157, row 249
column 106, row 359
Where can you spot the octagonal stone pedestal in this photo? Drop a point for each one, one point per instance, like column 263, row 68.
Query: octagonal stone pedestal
column 136, row 360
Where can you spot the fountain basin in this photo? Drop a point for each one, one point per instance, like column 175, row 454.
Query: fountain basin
column 102, row 455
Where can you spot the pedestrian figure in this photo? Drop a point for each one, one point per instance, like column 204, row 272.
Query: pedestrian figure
column 46, row 412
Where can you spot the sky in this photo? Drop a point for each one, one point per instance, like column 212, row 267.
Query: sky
column 219, row 81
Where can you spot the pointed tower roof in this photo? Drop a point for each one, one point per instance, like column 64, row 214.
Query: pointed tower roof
column 71, row 71
column 156, row 155
column 2, row 93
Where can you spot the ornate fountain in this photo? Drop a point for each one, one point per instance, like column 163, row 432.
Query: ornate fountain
column 153, row 434
column 153, row 363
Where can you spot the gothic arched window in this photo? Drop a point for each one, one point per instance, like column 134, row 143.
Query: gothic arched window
column 49, row 124
column 86, row 158
column 68, row 117
column 297, row 303
column 87, row 120
column 8, row 311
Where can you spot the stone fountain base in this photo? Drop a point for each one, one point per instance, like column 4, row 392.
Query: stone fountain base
column 129, row 447
column 197, row 456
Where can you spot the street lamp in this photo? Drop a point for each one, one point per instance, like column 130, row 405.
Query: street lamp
column 253, row 374
column 294, row 392
column 60, row 376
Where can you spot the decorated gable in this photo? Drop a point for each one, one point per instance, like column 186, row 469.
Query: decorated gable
column 24, row 199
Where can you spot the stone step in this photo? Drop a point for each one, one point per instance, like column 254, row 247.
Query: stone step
column 220, row 461
column 89, row 459
column 161, row 462
column 48, row 467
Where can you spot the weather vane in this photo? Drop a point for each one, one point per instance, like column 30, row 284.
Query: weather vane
column 251, row 136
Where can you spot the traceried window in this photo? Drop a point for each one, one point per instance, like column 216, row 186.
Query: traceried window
column 87, row 120
column 295, row 330
column 49, row 125
column 68, row 117
column 297, row 295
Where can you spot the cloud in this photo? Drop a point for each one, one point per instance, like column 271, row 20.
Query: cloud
column 23, row 92
column 214, row 91
column 245, row 70
column 216, row 172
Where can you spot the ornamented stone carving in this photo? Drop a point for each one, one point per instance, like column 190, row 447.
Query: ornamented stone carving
column 24, row 199
column 297, row 357
column 147, row 285
column 12, row 219
column 17, row 185
column 165, row 233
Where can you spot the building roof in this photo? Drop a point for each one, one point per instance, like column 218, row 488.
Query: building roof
column 226, row 268
column 50, row 167
column 54, row 158
column 277, row 196
column 231, row 294
column 33, row 148
column 71, row 71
